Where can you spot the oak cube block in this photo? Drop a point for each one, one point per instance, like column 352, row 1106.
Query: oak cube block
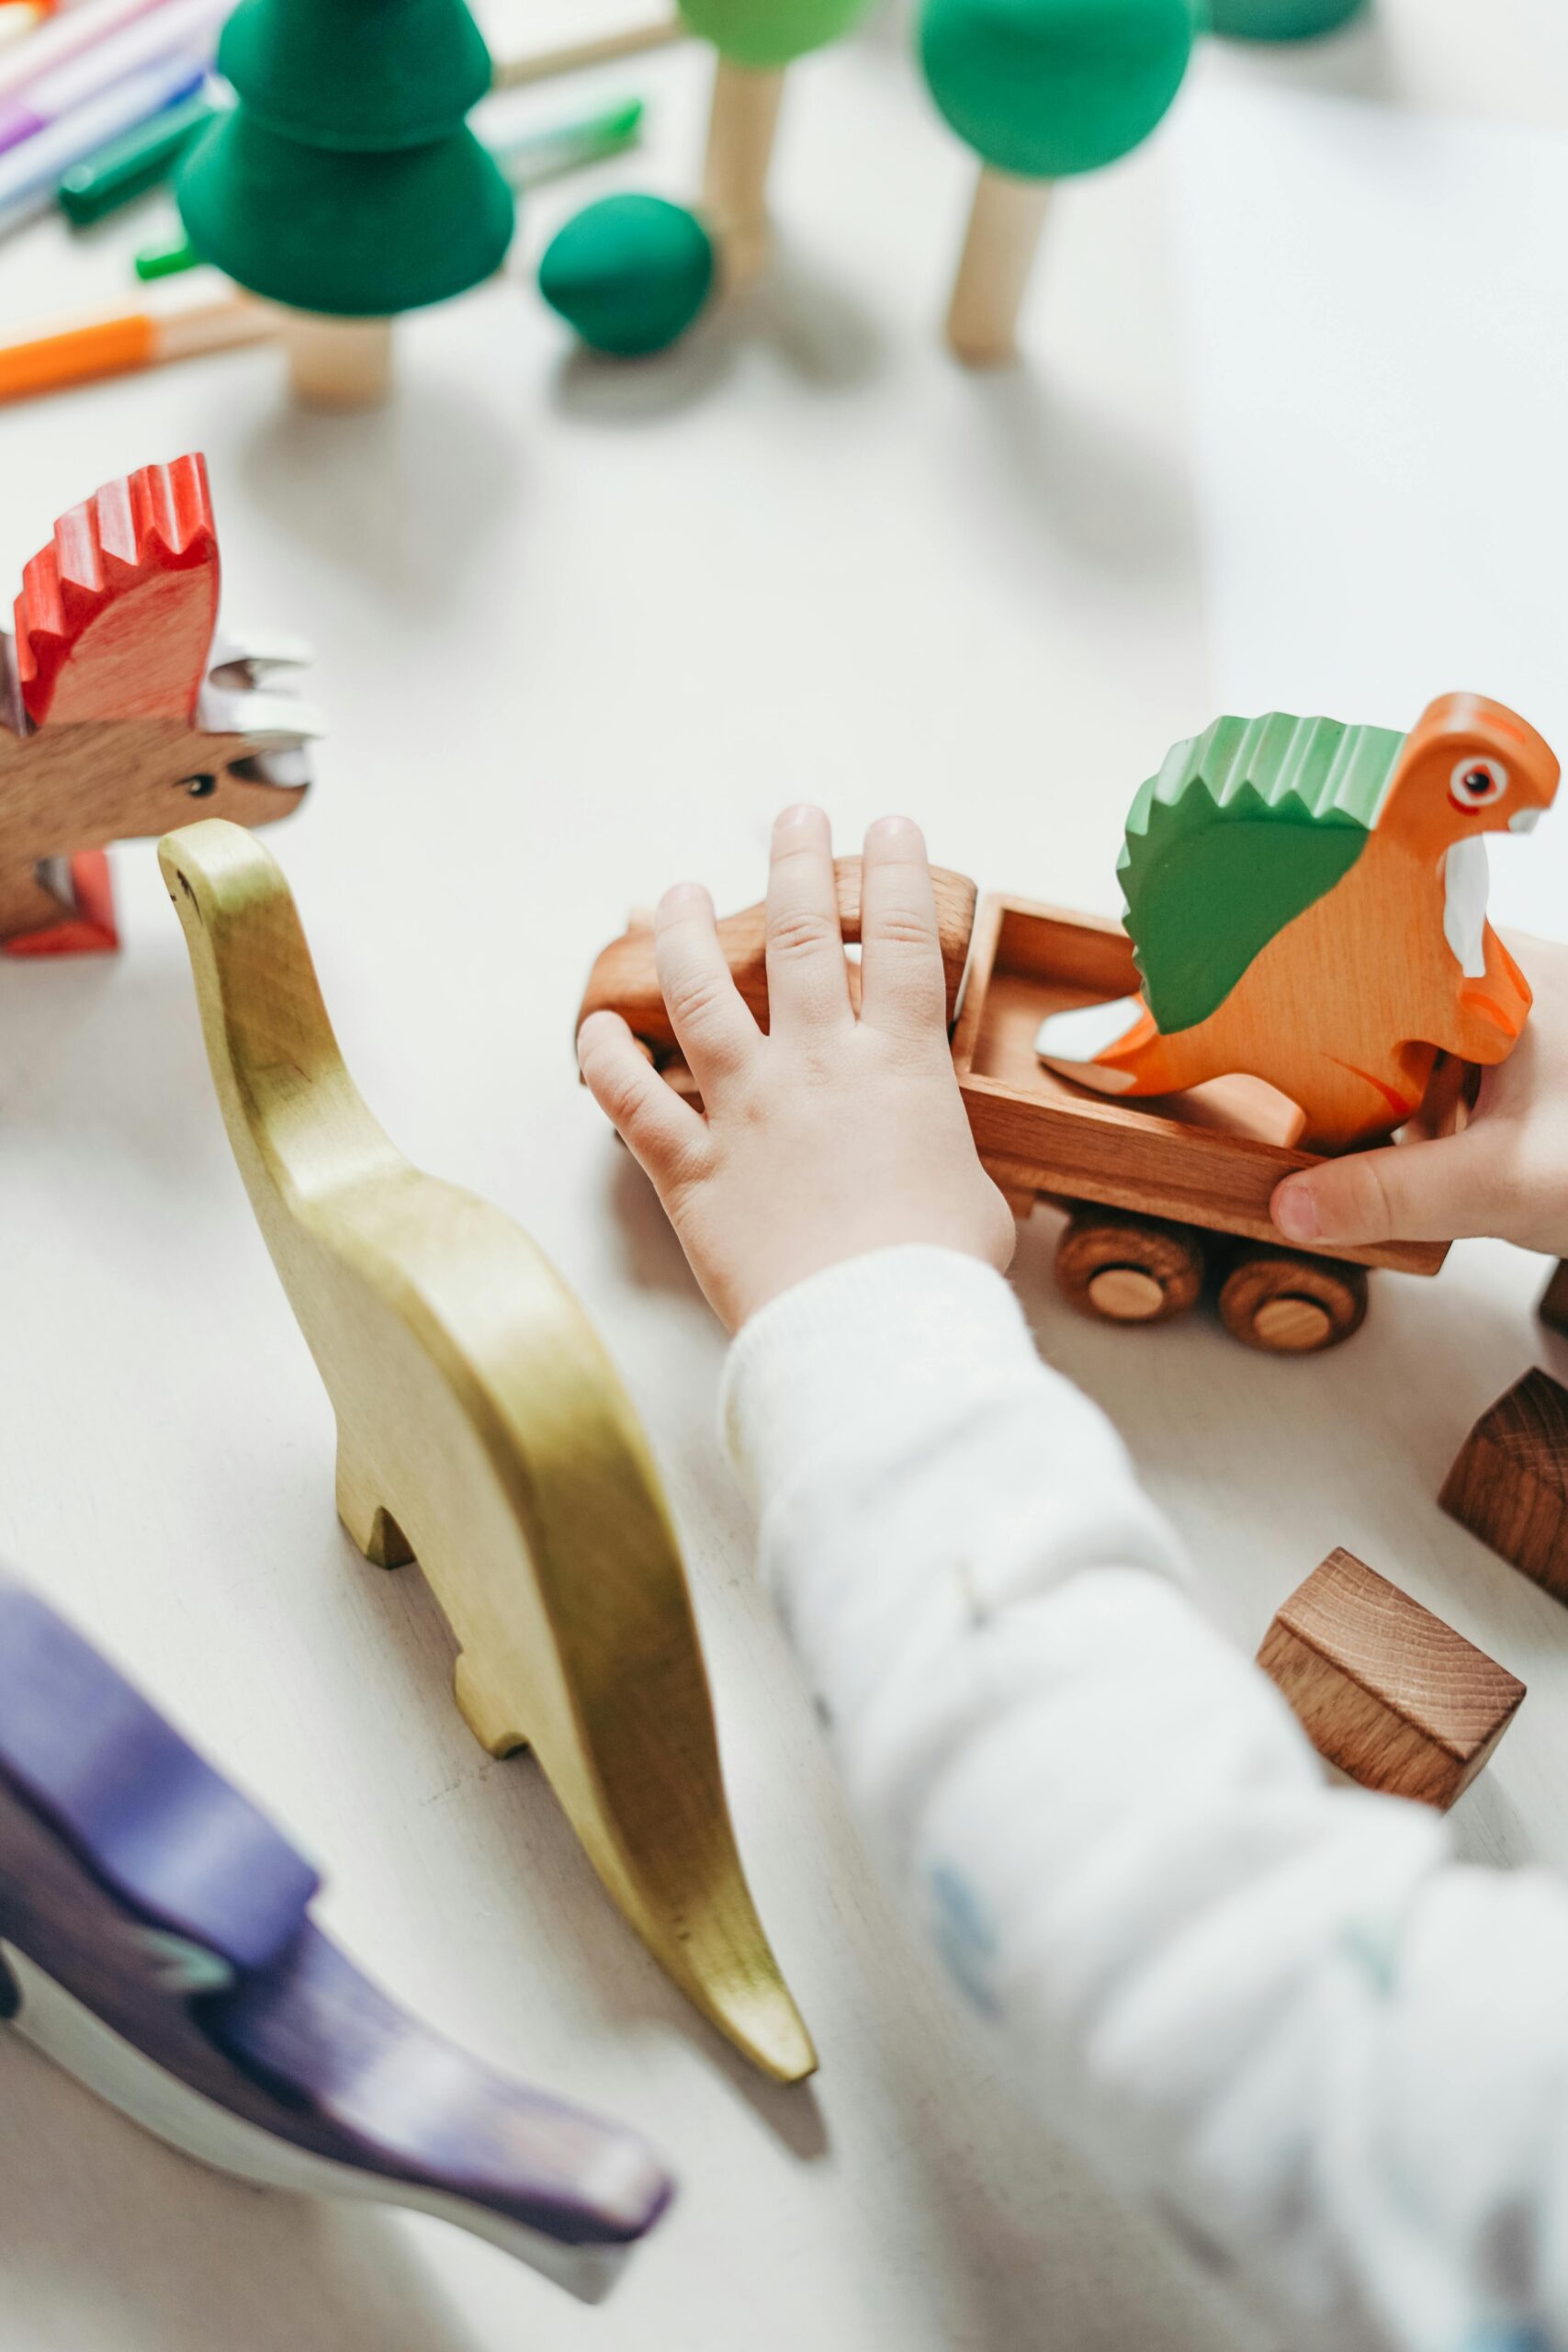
column 1385, row 1689
column 1509, row 1484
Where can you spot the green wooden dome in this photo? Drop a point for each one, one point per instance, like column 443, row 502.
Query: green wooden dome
column 1046, row 88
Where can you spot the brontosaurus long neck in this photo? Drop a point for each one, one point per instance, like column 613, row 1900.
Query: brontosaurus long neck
column 297, row 1125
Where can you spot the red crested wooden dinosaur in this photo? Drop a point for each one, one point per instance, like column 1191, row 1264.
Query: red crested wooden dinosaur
column 121, row 705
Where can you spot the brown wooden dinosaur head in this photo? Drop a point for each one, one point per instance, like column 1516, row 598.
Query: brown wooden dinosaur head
column 1469, row 767
column 126, row 706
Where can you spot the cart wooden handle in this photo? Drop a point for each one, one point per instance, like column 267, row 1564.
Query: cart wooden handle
column 624, row 980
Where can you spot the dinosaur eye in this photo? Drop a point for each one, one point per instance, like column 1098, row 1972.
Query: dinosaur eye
column 200, row 788
column 1475, row 784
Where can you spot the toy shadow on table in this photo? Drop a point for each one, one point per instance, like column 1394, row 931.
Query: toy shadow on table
column 543, row 1890
column 1357, row 60
column 94, row 2216
column 156, row 1941
column 1050, row 468
column 404, row 500
column 802, row 318
column 482, row 1432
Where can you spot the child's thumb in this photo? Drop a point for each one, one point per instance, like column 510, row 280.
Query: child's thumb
column 1415, row 1192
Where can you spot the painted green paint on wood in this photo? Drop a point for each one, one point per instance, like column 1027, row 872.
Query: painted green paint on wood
column 630, row 273
column 1282, row 20
column 1244, row 828
column 1046, row 88
column 345, row 180
column 768, row 33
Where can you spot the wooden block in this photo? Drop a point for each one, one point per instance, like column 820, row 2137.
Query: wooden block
column 483, row 1432
column 1509, row 1484
column 1385, row 1689
column 1553, row 1307
column 1308, row 901
column 116, row 719
column 133, row 1878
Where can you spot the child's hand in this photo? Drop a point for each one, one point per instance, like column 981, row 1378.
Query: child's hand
column 1506, row 1174
column 830, row 1136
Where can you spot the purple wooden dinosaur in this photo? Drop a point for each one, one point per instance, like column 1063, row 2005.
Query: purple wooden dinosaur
column 156, row 1938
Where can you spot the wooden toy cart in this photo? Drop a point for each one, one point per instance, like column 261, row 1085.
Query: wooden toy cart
column 1163, row 1197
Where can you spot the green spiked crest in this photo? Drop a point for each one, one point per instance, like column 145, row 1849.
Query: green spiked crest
column 1244, row 827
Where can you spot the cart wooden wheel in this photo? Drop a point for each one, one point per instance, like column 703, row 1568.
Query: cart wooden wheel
column 1129, row 1269
column 1290, row 1304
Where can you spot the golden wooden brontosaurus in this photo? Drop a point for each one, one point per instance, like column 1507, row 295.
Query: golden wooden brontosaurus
column 482, row 1430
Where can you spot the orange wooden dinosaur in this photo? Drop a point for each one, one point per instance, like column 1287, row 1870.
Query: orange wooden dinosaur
column 1308, row 905
column 120, row 706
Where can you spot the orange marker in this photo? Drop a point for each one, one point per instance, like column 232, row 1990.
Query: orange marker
column 116, row 343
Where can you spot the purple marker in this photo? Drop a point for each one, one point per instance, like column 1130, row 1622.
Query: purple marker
column 187, row 28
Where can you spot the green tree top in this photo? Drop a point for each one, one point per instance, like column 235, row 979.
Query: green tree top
column 345, row 180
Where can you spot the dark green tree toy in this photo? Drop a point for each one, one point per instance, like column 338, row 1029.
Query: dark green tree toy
column 345, row 183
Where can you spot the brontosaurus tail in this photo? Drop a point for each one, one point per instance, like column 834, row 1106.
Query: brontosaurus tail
column 116, row 615
column 1115, row 1047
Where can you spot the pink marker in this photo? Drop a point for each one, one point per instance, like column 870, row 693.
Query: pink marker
column 67, row 34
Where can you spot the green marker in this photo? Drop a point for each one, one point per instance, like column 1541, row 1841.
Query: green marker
column 100, row 183
column 527, row 161
column 541, row 155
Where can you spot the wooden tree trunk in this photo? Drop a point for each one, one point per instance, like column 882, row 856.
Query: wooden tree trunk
column 338, row 363
column 1005, row 222
column 741, row 127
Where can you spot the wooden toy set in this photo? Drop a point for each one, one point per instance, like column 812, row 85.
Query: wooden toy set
column 1305, row 966
column 343, row 186
column 1307, row 917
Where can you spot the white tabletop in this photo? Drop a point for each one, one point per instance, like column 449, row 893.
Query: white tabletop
column 582, row 629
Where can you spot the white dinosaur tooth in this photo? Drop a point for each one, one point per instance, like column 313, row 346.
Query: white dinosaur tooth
column 290, row 769
column 1524, row 820
column 257, row 654
column 1466, row 881
column 252, row 710
column 1069, row 1041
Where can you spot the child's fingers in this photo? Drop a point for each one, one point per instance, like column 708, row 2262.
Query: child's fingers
column 808, row 977
column 662, row 1132
column 706, row 1010
column 1441, row 1191
column 902, row 987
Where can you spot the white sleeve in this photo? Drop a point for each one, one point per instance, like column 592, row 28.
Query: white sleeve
column 1281, row 2013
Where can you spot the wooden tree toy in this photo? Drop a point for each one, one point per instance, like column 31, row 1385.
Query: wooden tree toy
column 1280, row 19
column 1042, row 90
column 156, row 1941
column 1162, row 1194
column 482, row 1432
column 1308, row 905
column 1383, row 1689
column 755, row 41
column 126, row 706
column 1509, row 1484
column 345, row 183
